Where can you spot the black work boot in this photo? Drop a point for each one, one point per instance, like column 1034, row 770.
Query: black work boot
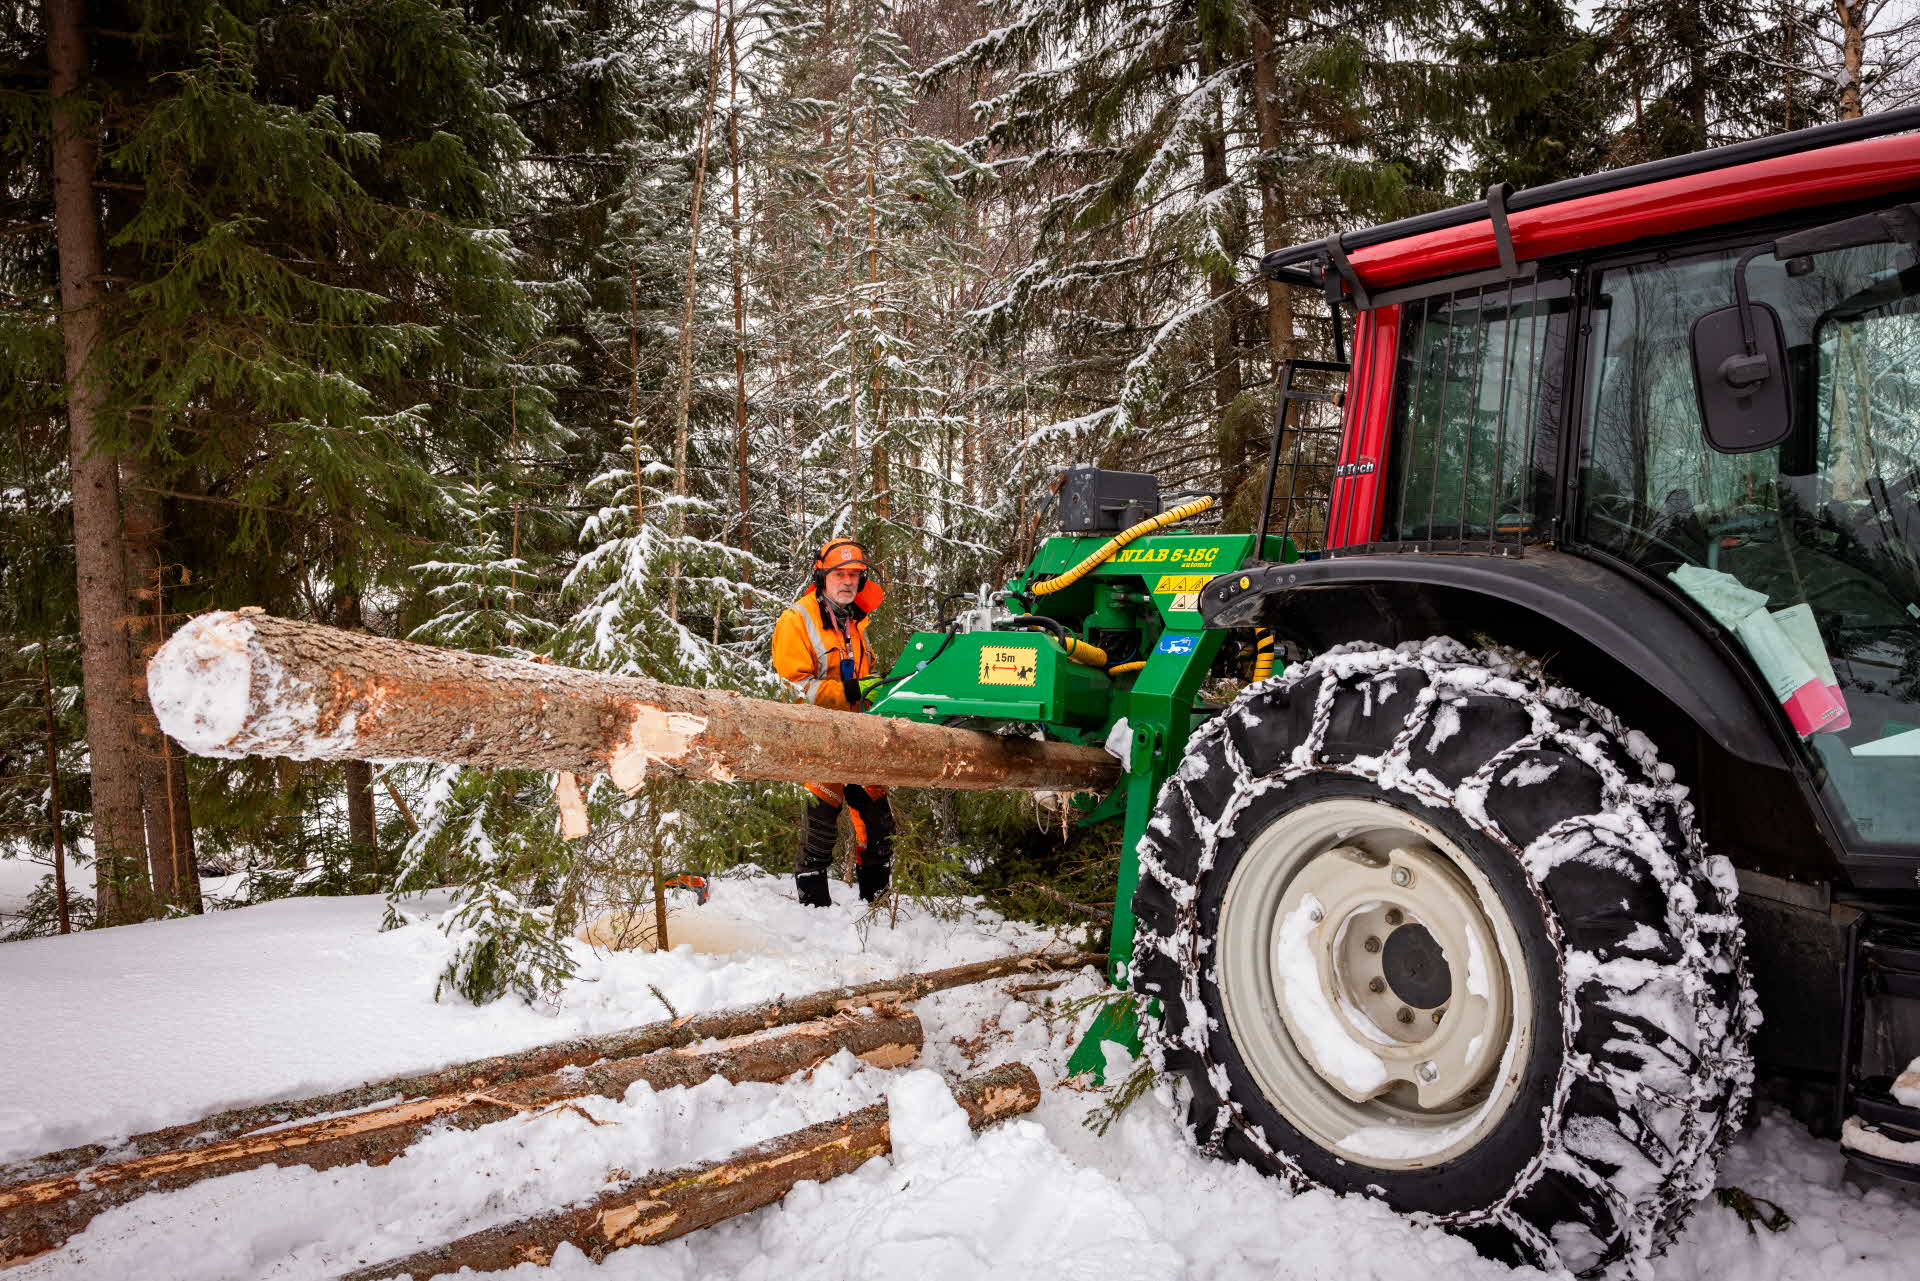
column 874, row 878
column 813, row 889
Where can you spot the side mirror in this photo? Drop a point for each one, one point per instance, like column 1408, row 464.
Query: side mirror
column 1740, row 376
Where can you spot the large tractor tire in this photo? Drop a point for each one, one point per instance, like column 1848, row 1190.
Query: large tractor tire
column 1420, row 925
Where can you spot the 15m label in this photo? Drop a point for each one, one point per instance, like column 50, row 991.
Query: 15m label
column 1008, row 664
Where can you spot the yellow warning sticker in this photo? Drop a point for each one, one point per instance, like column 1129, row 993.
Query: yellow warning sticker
column 1008, row 664
column 1171, row 583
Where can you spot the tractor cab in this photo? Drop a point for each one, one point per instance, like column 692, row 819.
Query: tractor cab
column 1665, row 422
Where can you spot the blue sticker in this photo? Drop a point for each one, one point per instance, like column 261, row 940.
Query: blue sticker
column 1175, row 645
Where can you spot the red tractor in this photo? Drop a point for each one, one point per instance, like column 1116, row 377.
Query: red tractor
column 1590, row 803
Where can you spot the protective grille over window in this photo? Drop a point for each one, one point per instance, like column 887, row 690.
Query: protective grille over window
column 1477, row 416
column 1305, row 451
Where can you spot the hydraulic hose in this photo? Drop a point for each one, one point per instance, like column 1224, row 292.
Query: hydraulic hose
column 1078, row 650
column 1262, row 653
column 1121, row 669
column 1119, row 540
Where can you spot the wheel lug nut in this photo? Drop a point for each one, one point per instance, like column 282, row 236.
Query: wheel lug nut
column 1437, row 1014
column 1405, row 1015
column 1372, row 944
column 1315, row 914
column 1393, row 916
column 1376, row 984
column 1402, row 877
column 1428, row 1072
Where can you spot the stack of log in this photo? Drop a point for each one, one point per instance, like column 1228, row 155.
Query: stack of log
column 46, row 1201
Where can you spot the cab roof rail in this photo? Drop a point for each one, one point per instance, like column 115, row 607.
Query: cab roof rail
column 1281, row 265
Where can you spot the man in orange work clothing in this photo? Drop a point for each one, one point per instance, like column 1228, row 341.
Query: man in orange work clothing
column 820, row 648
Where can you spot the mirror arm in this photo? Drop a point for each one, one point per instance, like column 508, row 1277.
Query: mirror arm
column 1752, row 368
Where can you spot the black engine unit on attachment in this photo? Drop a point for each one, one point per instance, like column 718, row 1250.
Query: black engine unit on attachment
column 1093, row 501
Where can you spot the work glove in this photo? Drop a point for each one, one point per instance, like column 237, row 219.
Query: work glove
column 868, row 684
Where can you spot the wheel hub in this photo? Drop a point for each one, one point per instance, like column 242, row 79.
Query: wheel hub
column 1415, row 967
column 1362, row 967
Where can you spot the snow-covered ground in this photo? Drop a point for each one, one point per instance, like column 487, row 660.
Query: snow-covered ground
column 112, row 1032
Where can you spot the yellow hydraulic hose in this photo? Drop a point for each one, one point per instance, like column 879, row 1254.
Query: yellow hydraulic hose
column 1118, row 541
column 1121, row 669
column 1084, row 654
column 1262, row 653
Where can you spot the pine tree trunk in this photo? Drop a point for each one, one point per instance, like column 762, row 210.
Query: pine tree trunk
column 169, row 826
column 1220, row 282
column 662, row 1207
column 119, row 840
column 363, row 837
column 183, row 840
column 55, row 815
column 740, row 459
column 234, row 684
column 683, row 399
column 1273, row 191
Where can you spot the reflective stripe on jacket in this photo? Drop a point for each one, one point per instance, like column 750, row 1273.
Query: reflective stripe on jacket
column 807, row 650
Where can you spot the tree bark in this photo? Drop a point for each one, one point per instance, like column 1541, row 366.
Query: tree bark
column 247, row 683
column 163, row 793
column 54, row 811
column 1852, row 16
column 498, row 1071
column 665, row 1206
column 39, row 1216
column 119, row 843
column 363, row 859
column 683, row 397
column 739, row 287
column 1273, row 194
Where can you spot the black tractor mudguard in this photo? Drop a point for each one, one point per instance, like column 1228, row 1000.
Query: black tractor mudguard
column 1544, row 601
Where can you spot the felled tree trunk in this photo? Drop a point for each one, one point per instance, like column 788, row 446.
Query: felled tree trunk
column 664, row 1206
column 247, row 683
column 37, row 1217
column 495, row 1073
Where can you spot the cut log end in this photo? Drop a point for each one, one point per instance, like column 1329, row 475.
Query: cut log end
column 202, row 690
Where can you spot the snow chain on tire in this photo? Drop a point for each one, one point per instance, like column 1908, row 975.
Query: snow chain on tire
column 1640, row 1070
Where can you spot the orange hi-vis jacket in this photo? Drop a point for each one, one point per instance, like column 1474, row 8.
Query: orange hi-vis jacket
column 807, row 648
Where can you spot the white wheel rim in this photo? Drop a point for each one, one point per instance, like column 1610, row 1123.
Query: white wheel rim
column 1365, row 974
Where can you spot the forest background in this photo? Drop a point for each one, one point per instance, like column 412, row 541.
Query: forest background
column 571, row 329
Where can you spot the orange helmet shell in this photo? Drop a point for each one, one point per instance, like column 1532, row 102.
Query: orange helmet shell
column 841, row 553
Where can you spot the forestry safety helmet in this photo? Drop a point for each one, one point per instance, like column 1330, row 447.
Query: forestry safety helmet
column 846, row 553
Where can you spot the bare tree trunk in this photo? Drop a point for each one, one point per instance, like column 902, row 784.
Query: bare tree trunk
column 739, row 287
column 248, row 683
column 169, row 824
column 1273, row 192
column 1852, row 16
column 1220, row 281
column 665, row 1206
column 363, row 836
column 53, row 797
column 683, row 398
column 119, row 842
